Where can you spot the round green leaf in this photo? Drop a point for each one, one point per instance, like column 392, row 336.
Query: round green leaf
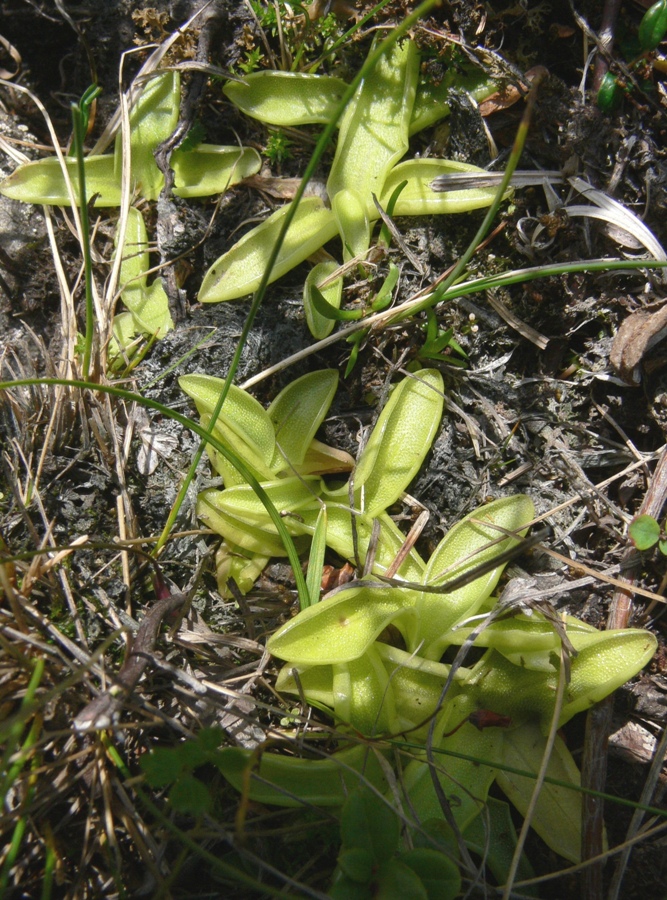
column 644, row 532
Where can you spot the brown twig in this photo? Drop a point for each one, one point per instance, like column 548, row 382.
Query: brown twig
column 598, row 725
column 103, row 710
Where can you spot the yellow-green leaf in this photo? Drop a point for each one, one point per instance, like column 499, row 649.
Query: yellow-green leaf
column 42, row 181
column 239, row 271
column 212, row 169
column 287, row 98
column 400, row 440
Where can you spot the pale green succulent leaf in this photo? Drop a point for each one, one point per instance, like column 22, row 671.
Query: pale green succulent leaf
column 261, row 539
column 295, row 98
column 241, row 416
column 468, row 544
column 135, row 260
column 287, row 98
column 374, row 128
column 465, row 783
column 604, row 662
column 151, row 310
column 363, row 695
column 316, row 556
column 351, row 211
column 339, row 538
column 42, row 181
column 148, row 304
column 290, row 781
column 320, row 459
column 153, row 118
column 297, row 412
column 315, row 682
column 321, row 326
column 400, row 440
column 288, row 495
column 239, row 271
column 419, row 199
column 528, row 641
column 339, row 629
column 557, row 816
column 212, row 169
column 417, row 684
column 231, row 562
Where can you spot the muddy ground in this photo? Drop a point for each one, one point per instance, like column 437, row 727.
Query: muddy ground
column 539, row 408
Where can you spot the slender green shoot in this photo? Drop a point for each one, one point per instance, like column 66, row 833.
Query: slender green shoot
column 80, row 115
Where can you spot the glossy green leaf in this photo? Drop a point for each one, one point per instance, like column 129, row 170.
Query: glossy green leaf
column 653, row 26
column 400, row 440
column 287, row 98
column 239, row 271
column 297, row 412
column 609, row 93
column 374, row 128
column 339, row 538
column 396, row 881
column 290, row 781
column 42, row 181
column 241, row 416
column 153, row 118
column 320, row 326
column 465, row 546
column 339, row 629
column 419, row 199
column 190, row 796
column 644, row 532
column 466, row 785
column 351, row 211
column 212, row 169
column 605, row 661
column 357, row 864
column 439, row 875
column 364, row 696
column 557, row 817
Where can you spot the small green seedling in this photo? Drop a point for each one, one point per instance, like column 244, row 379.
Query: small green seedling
column 651, row 32
column 645, row 532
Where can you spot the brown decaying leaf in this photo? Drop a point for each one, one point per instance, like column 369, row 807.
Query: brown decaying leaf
column 638, row 333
